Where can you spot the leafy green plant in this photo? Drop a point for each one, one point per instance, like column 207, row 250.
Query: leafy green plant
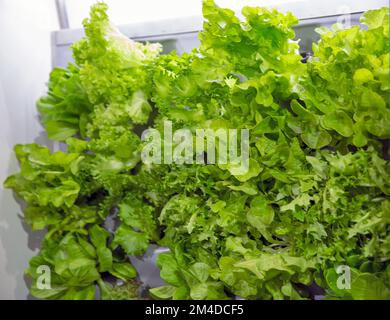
column 316, row 195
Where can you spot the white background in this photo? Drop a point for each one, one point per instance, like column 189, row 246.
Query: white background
column 129, row 11
column 25, row 63
column 133, row 11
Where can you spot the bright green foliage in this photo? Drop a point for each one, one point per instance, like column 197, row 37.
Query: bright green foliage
column 316, row 195
column 73, row 269
column 127, row 291
column 347, row 84
column 64, row 111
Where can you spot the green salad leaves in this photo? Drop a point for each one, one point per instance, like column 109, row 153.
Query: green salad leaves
column 316, row 196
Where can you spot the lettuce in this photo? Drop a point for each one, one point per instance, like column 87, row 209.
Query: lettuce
column 316, row 195
column 347, row 83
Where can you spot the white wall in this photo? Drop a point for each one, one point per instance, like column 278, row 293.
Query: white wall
column 25, row 62
column 136, row 11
